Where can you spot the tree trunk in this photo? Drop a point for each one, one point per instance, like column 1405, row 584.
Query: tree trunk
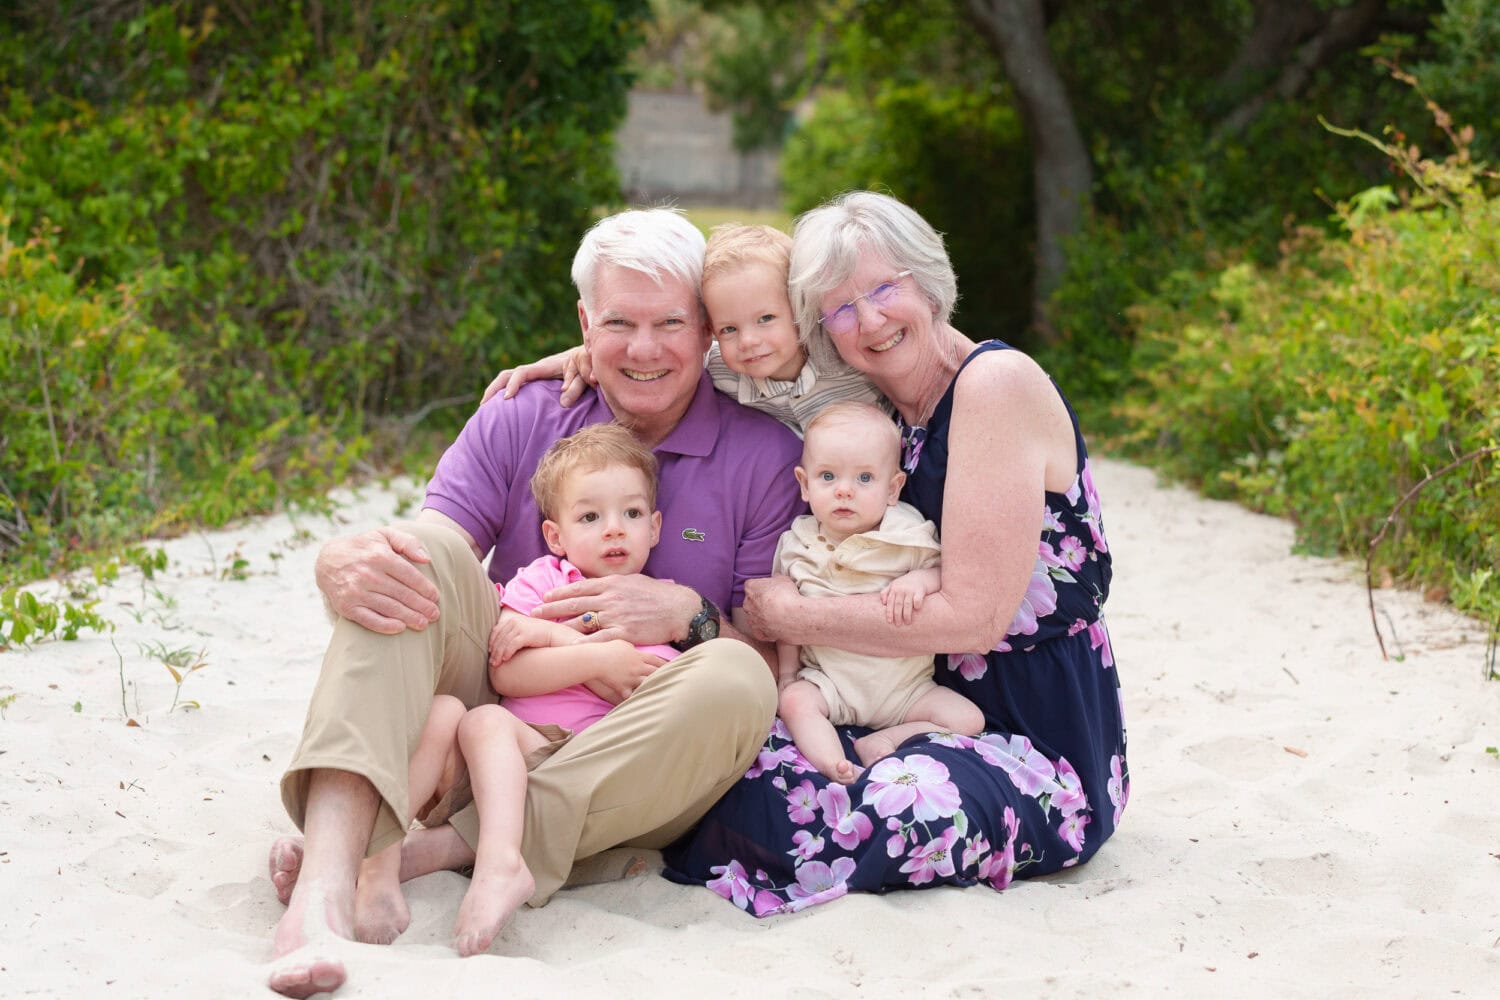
column 1299, row 52
column 1063, row 174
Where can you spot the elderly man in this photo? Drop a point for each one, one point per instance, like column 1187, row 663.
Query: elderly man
column 415, row 609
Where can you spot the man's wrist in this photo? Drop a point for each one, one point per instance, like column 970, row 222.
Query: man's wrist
column 701, row 627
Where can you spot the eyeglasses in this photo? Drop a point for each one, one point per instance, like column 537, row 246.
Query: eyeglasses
column 846, row 317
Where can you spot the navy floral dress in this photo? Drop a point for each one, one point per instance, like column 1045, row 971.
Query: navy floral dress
column 1040, row 790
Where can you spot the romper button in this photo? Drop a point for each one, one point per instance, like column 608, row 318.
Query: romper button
column 830, row 548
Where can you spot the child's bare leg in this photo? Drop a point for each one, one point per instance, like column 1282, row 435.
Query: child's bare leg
column 940, row 710
column 495, row 744
column 380, row 911
column 805, row 711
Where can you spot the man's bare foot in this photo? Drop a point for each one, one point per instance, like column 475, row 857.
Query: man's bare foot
column 285, row 864
column 302, row 963
column 494, row 895
column 380, row 911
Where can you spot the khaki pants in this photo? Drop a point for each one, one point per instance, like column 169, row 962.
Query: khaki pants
column 641, row 776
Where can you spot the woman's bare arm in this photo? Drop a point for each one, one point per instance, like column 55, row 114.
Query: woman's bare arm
column 1010, row 440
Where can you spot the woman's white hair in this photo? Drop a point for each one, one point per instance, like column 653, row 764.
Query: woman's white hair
column 829, row 242
column 654, row 241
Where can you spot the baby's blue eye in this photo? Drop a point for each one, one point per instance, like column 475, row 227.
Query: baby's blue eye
column 589, row 518
column 768, row 318
column 727, row 331
column 827, row 477
column 865, row 477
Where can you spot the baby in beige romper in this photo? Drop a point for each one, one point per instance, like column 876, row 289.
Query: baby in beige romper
column 860, row 539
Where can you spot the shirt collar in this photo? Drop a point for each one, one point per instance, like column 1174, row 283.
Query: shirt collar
column 765, row 388
column 698, row 430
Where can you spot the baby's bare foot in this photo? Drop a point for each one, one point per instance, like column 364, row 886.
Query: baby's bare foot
column 844, row 772
column 494, row 895
column 285, row 864
column 302, row 964
column 873, row 747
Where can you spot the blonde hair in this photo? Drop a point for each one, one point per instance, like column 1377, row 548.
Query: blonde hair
column 597, row 446
column 733, row 245
column 855, row 413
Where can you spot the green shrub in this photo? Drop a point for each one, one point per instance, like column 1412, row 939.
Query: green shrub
column 1326, row 387
column 318, row 219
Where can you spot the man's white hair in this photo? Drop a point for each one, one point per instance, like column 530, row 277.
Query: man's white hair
column 654, row 241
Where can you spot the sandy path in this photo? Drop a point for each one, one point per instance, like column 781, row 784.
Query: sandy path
column 1306, row 820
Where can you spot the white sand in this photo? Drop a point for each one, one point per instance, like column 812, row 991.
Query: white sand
column 132, row 860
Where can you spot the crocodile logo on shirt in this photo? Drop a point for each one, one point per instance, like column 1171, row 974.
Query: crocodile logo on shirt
column 693, row 535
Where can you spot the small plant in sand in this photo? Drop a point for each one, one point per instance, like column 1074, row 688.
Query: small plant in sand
column 181, row 663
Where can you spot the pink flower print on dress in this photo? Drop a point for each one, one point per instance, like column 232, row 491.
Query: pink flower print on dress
column 1099, row 637
column 918, row 782
column 970, row 666
column 933, row 859
column 1072, row 553
column 1118, row 787
column 770, row 760
column 1039, row 602
column 802, row 804
column 1050, row 520
column 976, row 849
column 815, row 880
column 998, row 869
column 805, row 845
column 847, row 827
column 732, row 884
column 1093, row 514
column 1029, row 769
column 767, row 903
column 1069, row 797
column 1071, row 829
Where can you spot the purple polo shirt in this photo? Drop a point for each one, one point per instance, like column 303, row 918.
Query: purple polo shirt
column 726, row 489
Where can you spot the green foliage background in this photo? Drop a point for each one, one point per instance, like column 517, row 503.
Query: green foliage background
column 247, row 244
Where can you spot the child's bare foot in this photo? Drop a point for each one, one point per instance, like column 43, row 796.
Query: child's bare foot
column 494, row 895
column 380, row 911
column 873, row 747
column 845, row 772
column 301, row 964
column 285, row 864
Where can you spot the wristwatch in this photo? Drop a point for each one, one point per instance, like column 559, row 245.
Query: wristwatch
column 703, row 627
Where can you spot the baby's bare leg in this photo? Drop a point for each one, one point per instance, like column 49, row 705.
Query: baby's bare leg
column 805, row 711
column 380, row 912
column 940, row 710
column 495, row 744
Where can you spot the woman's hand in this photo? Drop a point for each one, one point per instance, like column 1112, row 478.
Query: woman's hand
column 767, row 603
column 370, row 579
column 574, row 366
column 625, row 670
column 635, row 608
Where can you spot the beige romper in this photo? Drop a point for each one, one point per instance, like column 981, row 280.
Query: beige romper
column 874, row 691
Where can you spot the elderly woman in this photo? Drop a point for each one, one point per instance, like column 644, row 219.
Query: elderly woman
column 994, row 457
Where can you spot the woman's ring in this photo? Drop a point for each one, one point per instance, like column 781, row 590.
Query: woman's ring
column 591, row 621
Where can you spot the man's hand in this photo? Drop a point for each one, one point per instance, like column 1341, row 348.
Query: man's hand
column 626, row 669
column 369, row 579
column 635, row 608
column 766, row 603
